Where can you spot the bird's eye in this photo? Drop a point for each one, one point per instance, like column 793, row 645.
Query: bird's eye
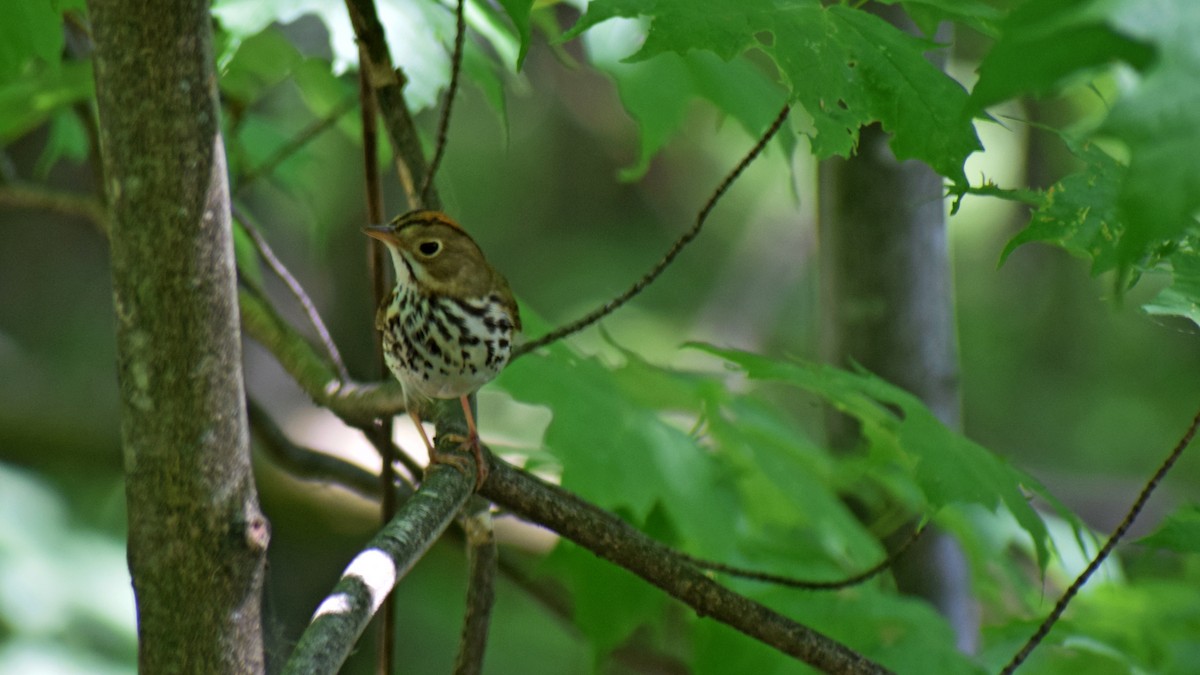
column 430, row 248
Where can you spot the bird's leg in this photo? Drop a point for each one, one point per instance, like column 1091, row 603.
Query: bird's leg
column 471, row 442
column 435, row 456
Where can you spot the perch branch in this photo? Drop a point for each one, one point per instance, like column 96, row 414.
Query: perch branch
column 343, row 615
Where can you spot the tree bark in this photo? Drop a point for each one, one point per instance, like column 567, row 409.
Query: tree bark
column 887, row 304
column 197, row 539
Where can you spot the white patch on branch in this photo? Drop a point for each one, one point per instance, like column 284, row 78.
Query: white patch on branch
column 377, row 571
column 338, row 603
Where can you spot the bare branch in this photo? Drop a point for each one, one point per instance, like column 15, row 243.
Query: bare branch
column 388, row 84
column 444, row 123
column 298, row 292
column 805, row 584
column 355, row 402
column 661, row 266
column 44, row 199
column 481, row 589
column 615, row 540
column 1061, row 606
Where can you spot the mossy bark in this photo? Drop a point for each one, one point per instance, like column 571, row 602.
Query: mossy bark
column 197, row 539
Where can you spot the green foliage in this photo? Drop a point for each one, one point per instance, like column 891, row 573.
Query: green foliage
column 728, row 466
column 66, row 605
column 847, row 67
column 658, row 91
column 1180, row 532
column 1079, row 212
column 900, row 430
column 1121, row 216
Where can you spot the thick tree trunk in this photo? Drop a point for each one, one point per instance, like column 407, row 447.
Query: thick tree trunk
column 197, row 540
column 887, row 304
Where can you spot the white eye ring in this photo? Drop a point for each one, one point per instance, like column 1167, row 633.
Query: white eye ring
column 429, row 248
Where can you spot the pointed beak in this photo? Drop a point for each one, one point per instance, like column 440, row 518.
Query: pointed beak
column 383, row 233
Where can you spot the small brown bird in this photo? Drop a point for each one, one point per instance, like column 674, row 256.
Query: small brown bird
column 449, row 324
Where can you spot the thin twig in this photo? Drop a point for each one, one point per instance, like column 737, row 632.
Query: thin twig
column 56, row 201
column 684, row 240
column 482, row 560
column 1061, row 606
column 356, row 403
column 792, row 582
column 313, row 465
column 448, row 105
column 380, row 430
column 281, row 271
column 388, row 84
column 296, row 143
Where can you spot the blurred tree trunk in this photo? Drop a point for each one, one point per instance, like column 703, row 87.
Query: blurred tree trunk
column 197, row 540
column 887, row 304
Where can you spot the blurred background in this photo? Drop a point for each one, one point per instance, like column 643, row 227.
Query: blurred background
column 1086, row 394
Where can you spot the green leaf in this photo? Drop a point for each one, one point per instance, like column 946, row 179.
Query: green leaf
column 260, row 62
column 610, row 449
column 1079, row 212
column 518, row 12
column 1044, row 44
column 928, row 14
column 1182, row 297
column 848, row 68
column 595, row 585
column 1157, row 121
column 325, row 94
column 68, row 139
column 904, row 634
column 789, row 491
column 486, row 74
column 1179, row 532
column 32, row 30
column 27, row 102
column 949, row 467
column 658, row 91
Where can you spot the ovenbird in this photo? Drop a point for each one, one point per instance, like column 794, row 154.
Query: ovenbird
column 449, row 323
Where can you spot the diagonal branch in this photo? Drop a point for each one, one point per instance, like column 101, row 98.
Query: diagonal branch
column 1115, row 538
column 281, row 271
column 388, row 84
column 344, row 614
column 354, row 402
column 661, row 266
column 56, row 201
column 615, row 540
column 482, row 558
